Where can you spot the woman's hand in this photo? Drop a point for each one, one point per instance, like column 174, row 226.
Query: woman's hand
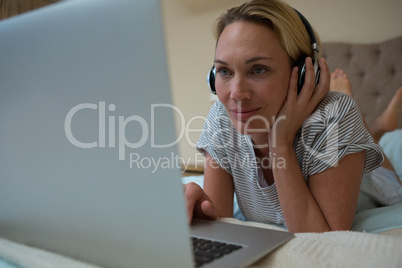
column 297, row 108
column 198, row 204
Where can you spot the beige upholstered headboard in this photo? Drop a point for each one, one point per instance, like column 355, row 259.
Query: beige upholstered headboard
column 375, row 71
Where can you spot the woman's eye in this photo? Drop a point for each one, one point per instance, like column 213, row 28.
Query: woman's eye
column 259, row 70
column 223, row 71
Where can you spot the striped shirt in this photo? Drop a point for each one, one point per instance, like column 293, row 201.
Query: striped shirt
column 333, row 130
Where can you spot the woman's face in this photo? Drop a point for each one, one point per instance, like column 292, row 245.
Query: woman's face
column 252, row 75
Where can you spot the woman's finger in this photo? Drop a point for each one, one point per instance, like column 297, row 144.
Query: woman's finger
column 292, row 90
column 193, row 193
column 309, row 81
column 323, row 85
column 209, row 210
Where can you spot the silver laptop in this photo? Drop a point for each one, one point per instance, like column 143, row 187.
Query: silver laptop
column 88, row 162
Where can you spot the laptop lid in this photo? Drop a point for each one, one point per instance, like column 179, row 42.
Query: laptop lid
column 88, row 162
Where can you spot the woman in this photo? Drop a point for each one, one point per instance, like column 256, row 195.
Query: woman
column 292, row 159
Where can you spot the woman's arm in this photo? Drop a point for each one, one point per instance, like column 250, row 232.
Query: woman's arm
column 336, row 190
column 329, row 200
column 218, row 184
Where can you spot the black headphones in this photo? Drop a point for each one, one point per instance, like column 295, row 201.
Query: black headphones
column 300, row 63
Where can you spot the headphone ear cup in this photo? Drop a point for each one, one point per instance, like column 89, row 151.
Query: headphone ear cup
column 301, row 75
column 211, row 80
column 317, row 75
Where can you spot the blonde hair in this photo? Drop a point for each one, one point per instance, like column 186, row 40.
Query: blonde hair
column 279, row 17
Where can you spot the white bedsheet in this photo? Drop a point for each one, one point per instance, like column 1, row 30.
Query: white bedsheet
column 334, row 249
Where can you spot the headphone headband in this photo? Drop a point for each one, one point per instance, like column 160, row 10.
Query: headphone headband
column 310, row 31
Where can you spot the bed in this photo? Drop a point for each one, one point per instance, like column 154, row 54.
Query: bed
column 375, row 71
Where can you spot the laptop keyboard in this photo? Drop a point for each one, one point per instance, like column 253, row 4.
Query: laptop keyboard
column 206, row 251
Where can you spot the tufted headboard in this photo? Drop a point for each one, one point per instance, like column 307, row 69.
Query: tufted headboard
column 375, row 71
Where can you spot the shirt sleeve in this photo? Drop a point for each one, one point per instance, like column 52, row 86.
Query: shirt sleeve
column 334, row 130
column 212, row 138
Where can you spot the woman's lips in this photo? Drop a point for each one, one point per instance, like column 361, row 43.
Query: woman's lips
column 245, row 113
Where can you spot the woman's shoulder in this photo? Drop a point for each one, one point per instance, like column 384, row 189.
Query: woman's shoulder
column 335, row 128
column 335, row 107
column 336, row 116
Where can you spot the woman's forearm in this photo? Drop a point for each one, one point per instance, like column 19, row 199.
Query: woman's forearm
column 300, row 210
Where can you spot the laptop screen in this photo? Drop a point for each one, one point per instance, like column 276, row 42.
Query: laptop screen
column 85, row 119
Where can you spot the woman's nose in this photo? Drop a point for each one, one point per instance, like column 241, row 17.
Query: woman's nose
column 239, row 90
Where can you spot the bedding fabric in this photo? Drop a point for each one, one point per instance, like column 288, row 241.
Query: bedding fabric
column 332, row 249
column 377, row 220
column 4, row 264
column 391, row 144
